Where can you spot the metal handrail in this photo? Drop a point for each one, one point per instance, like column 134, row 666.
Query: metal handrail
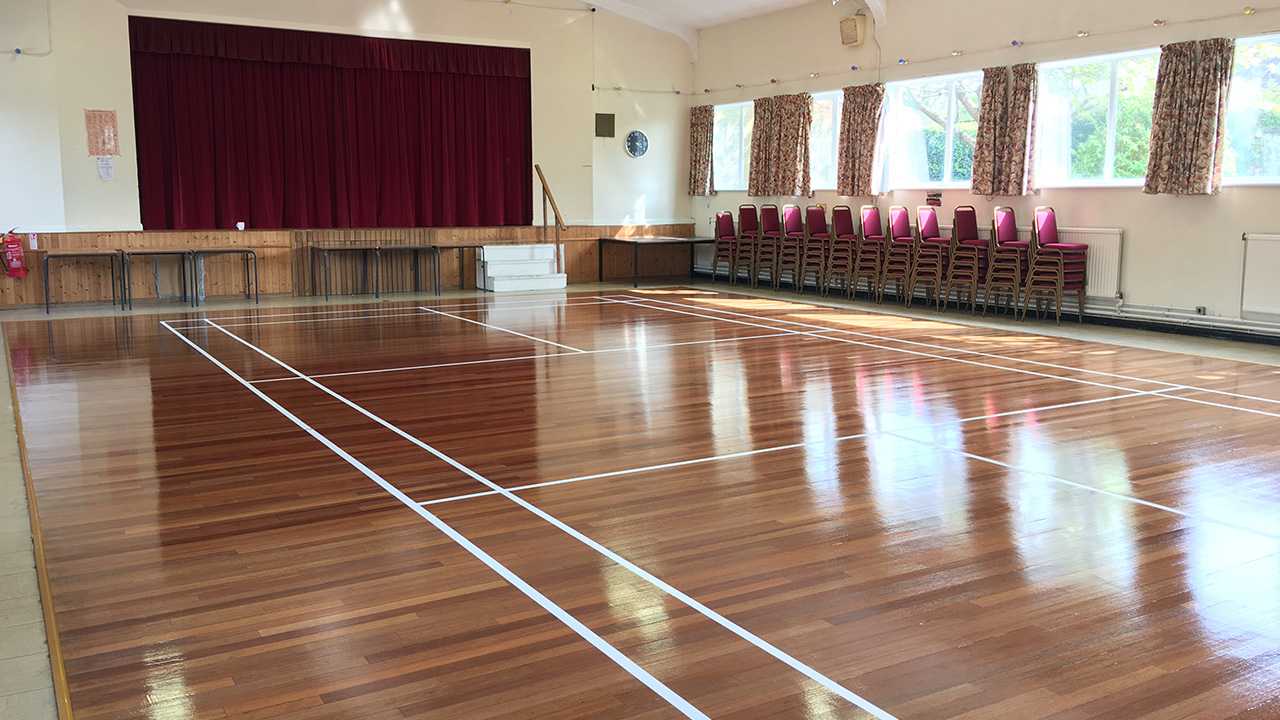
column 547, row 196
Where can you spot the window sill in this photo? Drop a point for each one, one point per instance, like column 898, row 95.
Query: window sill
column 1251, row 182
column 929, row 188
column 1089, row 184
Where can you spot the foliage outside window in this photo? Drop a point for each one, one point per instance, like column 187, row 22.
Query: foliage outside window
column 824, row 139
column 731, row 146
column 931, row 129
column 1094, row 119
column 1253, row 113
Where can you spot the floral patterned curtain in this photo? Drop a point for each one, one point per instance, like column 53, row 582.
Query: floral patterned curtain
column 762, row 148
column 702, row 126
column 780, row 146
column 1016, row 175
column 992, row 118
column 859, row 129
column 1188, row 125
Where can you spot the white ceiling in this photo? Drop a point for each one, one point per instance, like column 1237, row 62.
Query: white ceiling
column 685, row 17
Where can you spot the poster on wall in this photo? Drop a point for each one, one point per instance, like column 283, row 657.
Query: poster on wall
column 104, row 136
column 934, row 199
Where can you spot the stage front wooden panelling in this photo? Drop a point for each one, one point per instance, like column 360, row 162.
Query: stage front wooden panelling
column 284, row 265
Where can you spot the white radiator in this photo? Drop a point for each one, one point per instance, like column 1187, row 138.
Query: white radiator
column 1259, row 291
column 1106, row 246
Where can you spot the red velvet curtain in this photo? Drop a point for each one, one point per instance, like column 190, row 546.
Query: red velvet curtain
column 289, row 129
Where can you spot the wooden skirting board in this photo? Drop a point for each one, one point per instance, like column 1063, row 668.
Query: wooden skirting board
column 283, row 261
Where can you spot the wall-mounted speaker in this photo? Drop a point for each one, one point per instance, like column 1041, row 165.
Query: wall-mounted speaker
column 604, row 125
column 853, row 30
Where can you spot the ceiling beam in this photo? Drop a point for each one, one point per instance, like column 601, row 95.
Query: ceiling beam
column 879, row 11
column 654, row 20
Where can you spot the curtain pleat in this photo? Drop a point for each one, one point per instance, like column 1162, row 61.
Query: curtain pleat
column 1188, row 126
column 992, row 119
column 763, row 148
column 702, row 121
column 780, row 146
column 1018, row 149
column 279, row 143
column 859, row 131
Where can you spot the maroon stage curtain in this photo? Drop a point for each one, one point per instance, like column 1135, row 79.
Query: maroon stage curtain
column 289, row 129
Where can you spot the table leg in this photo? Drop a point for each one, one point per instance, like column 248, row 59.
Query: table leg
column 114, row 282
column 364, row 272
column 462, row 268
column 436, row 263
column 311, row 254
column 46, row 284
column 635, row 265
column 377, row 274
column 248, row 289
column 417, row 274
column 257, row 288
column 325, row 255
column 600, row 258
column 182, row 262
column 691, row 247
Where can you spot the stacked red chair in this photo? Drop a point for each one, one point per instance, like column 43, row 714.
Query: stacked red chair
column 1056, row 267
column 817, row 243
column 769, row 248
column 901, row 254
column 869, row 261
column 967, row 264
column 792, row 248
column 844, row 244
column 748, row 242
column 1010, row 261
column 726, row 245
column 932, row 250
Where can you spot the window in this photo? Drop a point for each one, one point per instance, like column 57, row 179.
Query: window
column 1094, row 118
column 824, row 139
column 1253, row 113
column 931, row 130
column 731, row 146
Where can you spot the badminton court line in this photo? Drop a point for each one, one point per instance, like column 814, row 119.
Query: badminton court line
column 523, row 357
column 643, row 574
column 417, row 312
column 825, row 336
column 1090, row 488
column 778, row 448
column 686, row 708
column 501, row 329
column 409, row 305
column 1171, row 385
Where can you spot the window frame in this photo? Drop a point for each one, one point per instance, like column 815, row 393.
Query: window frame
column 743, row 107
column 837, row 96
column 949, row 132
column 1250, row 180
column 1108, row 178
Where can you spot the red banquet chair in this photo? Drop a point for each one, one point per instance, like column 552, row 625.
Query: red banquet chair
column 770, row 246
column 1008, row 260
column 843, row 252
column 967, row 264
column 792, row 248
column 726, row 244
column 817, row 243
column 1056, row 267
column 869, row 262
column 901, row 255
column 748, row 243
column 932, row 250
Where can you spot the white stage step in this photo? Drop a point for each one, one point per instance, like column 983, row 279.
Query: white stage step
column 511, row 268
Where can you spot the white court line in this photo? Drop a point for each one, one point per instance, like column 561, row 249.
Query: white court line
column 823, row 336
column 1164, row 394
column 778, row 448
column 409, row 305
column 1171, row 386
column 1090, row 488
column 784, row 333
column 501, row 329
column 417, row 313
column 643, row 574
column 626, row 663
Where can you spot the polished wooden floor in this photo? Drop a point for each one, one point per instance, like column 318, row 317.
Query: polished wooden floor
column 649, row 504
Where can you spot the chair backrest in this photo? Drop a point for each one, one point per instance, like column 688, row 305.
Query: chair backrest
column 748, row 220
column 770, row 224
column 724, row 227
column 965, row 223
column 816, row 219
column 842, row 222
column 871, row 224
column 792, row 221
column 1004, row 226
column 899, row 222
column 1045, row 229
column 927, row 222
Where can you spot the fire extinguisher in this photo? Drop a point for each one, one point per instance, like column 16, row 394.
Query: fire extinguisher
column 13, row 255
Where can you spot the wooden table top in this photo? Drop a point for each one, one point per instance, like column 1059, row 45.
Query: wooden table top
column 658, row 240
column 81, row 252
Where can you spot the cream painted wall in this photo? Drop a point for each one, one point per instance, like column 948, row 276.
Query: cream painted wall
column 1180, row 252
column 90, row 69
column 30, row 177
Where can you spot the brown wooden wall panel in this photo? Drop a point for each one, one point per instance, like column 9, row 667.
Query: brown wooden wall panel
column 284, row 259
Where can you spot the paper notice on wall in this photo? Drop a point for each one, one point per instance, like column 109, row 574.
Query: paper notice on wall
column 934, row 199
column 106, row 168
column 104, row 135
column 34, row 240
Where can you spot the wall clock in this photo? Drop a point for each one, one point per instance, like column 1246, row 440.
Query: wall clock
column 637, row 144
